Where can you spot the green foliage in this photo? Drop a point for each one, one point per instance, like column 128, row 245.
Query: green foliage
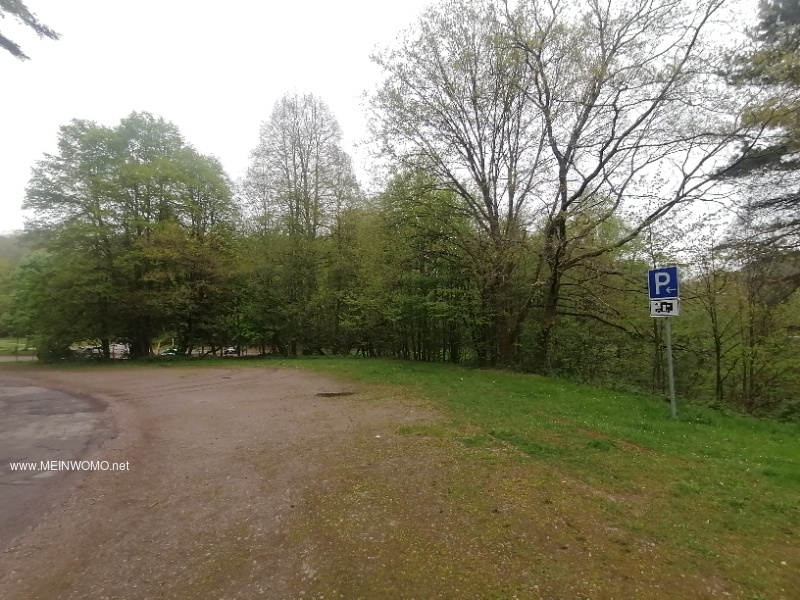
column 138, row 242
column 134, row 226
column 739, row 331
column 12, row 322
column 543, row 117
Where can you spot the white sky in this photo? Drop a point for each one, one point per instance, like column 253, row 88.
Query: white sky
column 214, row 69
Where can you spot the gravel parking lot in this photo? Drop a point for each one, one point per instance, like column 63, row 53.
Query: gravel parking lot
column 218, row 459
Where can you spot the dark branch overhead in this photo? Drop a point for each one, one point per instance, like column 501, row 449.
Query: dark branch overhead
column 18, row 10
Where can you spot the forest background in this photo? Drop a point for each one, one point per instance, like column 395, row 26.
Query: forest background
column 537, row 157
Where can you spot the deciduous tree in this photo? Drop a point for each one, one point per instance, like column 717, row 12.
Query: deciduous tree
column 634, row 118
column 299, row 173
column 141, row 216
column 453, row 103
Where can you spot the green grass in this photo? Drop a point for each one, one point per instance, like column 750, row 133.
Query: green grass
column 10, row 346
column 716, row 488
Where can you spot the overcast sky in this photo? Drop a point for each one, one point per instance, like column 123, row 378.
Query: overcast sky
column 214, row 69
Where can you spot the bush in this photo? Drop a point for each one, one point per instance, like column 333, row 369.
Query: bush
column 51, row 349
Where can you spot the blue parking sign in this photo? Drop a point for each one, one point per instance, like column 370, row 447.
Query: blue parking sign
column 663, row 283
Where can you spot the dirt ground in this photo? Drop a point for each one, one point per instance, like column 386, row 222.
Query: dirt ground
column 220, row 460
column 254, row 482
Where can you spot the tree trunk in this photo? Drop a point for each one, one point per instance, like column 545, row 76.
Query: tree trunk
column 501, row 338
column 140, row 344
column 506, row 341
column 555, row 250
column 544, row 348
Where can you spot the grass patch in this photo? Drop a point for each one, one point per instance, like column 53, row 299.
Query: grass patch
column 14, row 346
column 721, row 492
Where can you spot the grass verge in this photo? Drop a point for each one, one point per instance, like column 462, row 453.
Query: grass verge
column 718, row 495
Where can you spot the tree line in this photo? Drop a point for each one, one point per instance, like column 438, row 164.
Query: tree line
column 540, row 157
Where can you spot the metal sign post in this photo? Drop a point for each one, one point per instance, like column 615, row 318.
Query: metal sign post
column 670, row 376
column 664, row 289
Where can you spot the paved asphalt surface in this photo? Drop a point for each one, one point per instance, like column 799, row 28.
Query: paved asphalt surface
column 38, row 424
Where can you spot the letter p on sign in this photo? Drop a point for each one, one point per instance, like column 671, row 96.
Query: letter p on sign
column 663, row 283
